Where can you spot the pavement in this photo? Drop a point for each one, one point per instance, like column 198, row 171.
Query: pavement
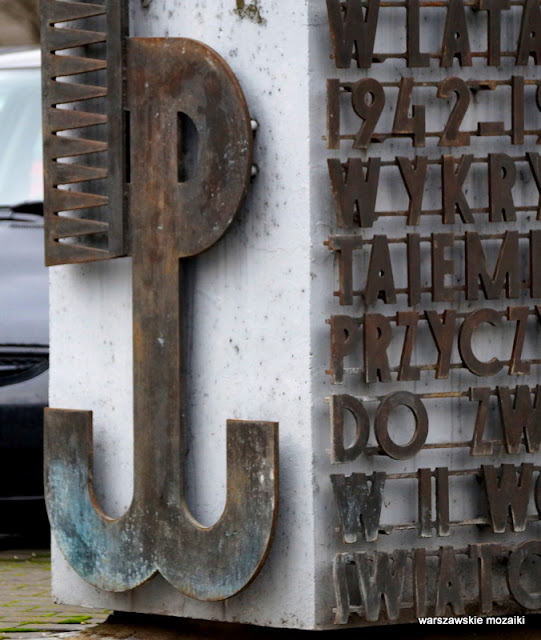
column 27, row 609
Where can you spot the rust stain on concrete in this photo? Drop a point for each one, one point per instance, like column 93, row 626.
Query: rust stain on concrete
column 250, row 11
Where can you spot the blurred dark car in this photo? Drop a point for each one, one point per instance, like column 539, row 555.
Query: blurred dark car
column 24, row 335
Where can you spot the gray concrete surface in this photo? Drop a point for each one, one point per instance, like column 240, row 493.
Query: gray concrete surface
column 27, row 609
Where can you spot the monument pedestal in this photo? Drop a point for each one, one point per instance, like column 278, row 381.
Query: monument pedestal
column 377, row 296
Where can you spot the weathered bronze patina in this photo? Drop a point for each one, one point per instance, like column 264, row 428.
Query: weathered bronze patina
column 179, row 202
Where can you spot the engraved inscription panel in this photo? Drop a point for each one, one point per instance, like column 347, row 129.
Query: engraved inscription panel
column 434, row 181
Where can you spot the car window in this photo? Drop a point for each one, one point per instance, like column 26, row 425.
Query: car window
column 21, row 169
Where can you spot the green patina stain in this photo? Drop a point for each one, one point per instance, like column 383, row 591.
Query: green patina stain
column 250, row 11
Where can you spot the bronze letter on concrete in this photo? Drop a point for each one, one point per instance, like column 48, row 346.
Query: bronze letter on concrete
column 172, row 215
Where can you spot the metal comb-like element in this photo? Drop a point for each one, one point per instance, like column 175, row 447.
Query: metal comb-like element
column 75, row 152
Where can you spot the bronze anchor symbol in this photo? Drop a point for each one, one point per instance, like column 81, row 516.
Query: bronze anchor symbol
column 169, row 219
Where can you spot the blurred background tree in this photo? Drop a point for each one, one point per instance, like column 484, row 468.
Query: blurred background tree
column 19, row 22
